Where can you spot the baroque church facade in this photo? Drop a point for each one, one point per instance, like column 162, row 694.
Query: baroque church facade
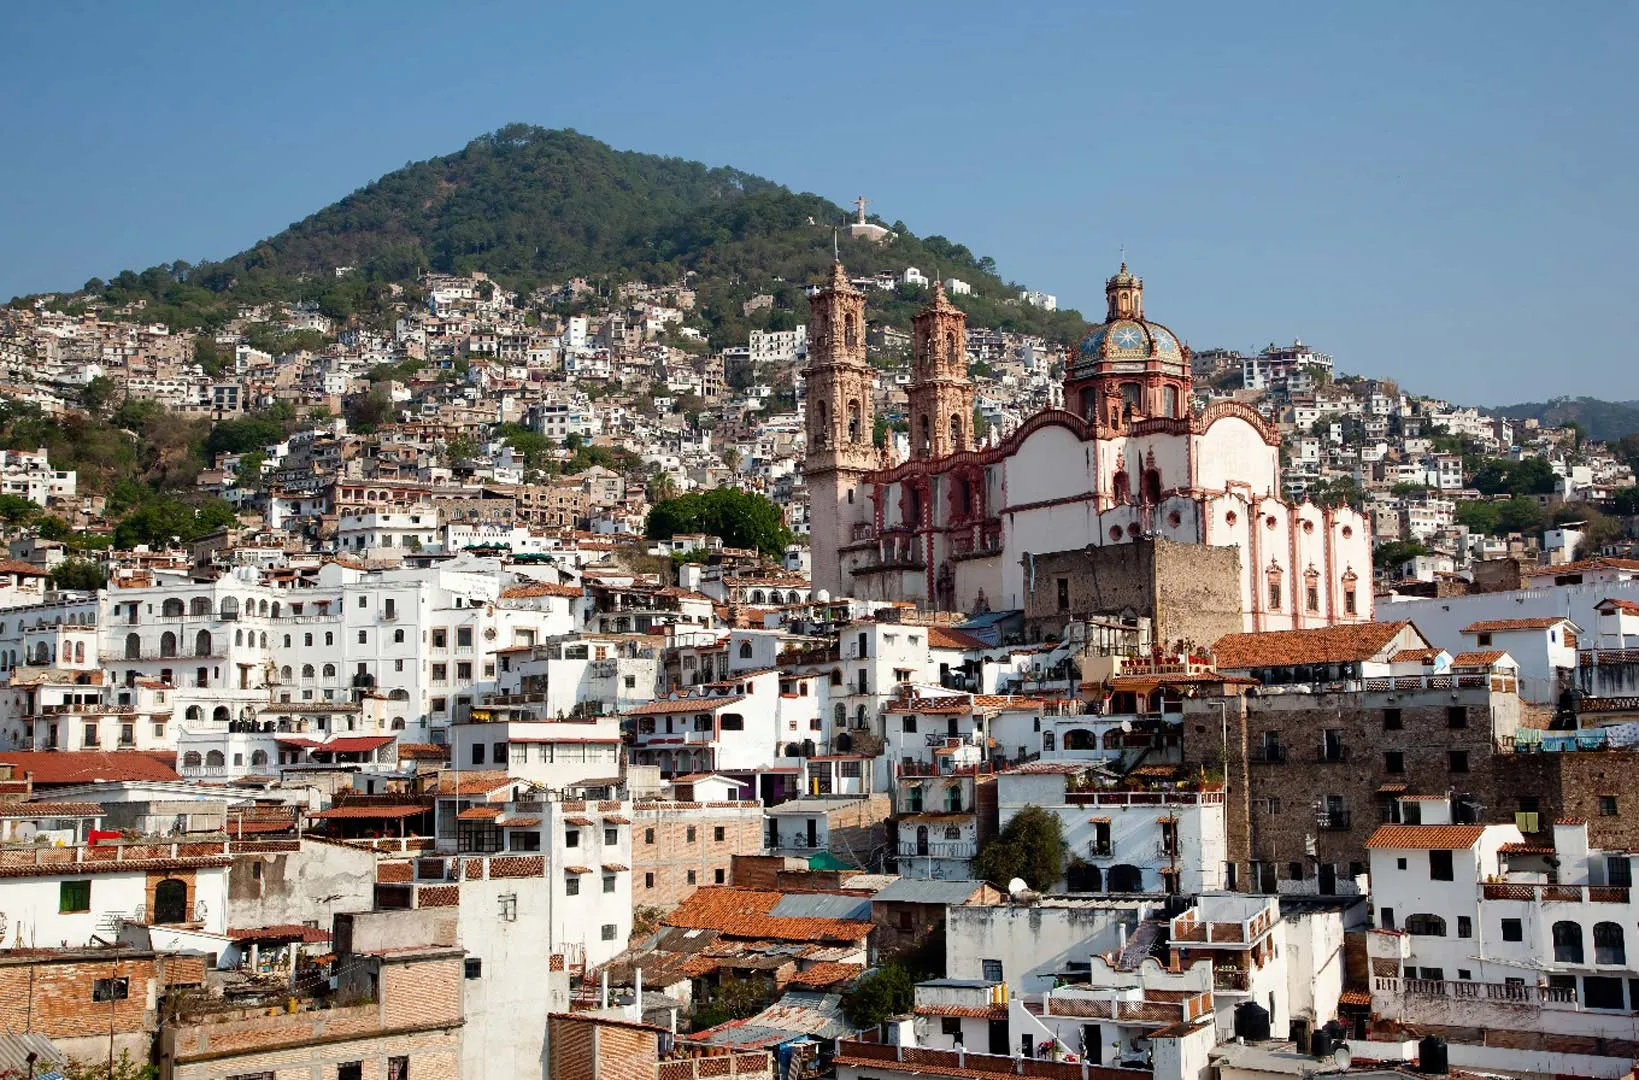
column 958, row 527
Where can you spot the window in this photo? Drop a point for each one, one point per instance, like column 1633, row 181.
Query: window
column 908, row 725
column 608, row 931
column 1385, row 918
column 1394, row 762
column 571, row 838
column 364, row 637
column 571, row 884
column 951, row 1025
column 1465, row 926
column 1458, row 760
column 692, row 877
column 1294, row 871
column 74, row 896
column 350, row 1070
column 1439, row 866
column 171, row 901
column 1618, row 870
column 1348, row 601
column 1064, row 594
column 398, row 1067
column 1457, row 716
column 1567, row 943
column 608, row 883
column 1608, row 946
column 499, row 755
column 717, row 875
column 1513, row 930
column 1482, row 639
column 611, row 835
column 691, row 834
column 474, row 968
column 1422, row 925
column 463, row 637
column 463, row 671
column 718, row 833
column 1311, row 597
column 648, row 881
column 992, row 970
column 1392, row 720
column 1607, row 806
column 648, row 836
column 110, row 989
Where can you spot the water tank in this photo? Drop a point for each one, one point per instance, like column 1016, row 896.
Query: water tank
column 1252, row 1022
column 1320, row 1044
column 1300, row 1034
column 1431, row 1055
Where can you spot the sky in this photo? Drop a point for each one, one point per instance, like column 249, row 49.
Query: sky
column 1443, row 194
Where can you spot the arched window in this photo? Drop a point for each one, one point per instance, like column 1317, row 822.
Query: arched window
column 230, row 607
column 1567, row 942
column 79, row 652
column 398, row 636
column 924, row 434
column 42, row 653
column 1122, row 487
column 239, row 638
column 199, row 605
column 840, row 714
column 329, row 638
column 167, row 644
column 953, row 799
column 850, row 332
column 1124, row 877
column 1169, row 401
column 191, row 760
column 955, row 432
column 193, row 712
column 275, row 609
column 1089, row 402
column 1425, row 926
column 214, row 758
column 1152, row 486
column 398, row 723
column 172, row 608
column 171, row 901
column 398, row 693
column 202, row 643
column 220, row 715
column 745, row 650
column 258, row 758
column 263, row 639
column 853, row 420
column 330, row 671
column 284, row 673
column 757, row 596
column 133, row 646
column 836, row 676
column 307, row 671
column 261, row 608
column 307, row 639
column 1608, row 945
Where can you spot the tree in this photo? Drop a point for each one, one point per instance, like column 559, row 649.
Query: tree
column 743, row 519
column 1626, row 501
column 97, row 393
column 883, row 994
column 1030, row 846
column 733, row 999
column 249, row 473
column 52, row 527
column 731, row 457
column 15, row 510
column 1391, row 555
column 78, row 574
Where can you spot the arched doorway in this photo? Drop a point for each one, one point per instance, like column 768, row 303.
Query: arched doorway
column 171, row 901
column 1125, row 877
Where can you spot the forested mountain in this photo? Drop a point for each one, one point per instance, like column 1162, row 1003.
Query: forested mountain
column 1606, row 421
column 530, row 206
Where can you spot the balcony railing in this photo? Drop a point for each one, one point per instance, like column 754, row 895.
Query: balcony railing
column 1228, row 978
column 1511, row 993
column 1555, row 894
column 937, row 849
column 1333, row 820
column 1269, row 755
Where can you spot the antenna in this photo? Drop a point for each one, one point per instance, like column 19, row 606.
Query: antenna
column 836, row 249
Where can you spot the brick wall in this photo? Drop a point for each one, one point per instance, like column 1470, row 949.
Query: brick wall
column 421, row 992
column 1277, row 832
column 434, row 1055
column 584, row 1049
column 668, row 844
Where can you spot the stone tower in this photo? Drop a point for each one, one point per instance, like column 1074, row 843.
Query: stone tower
column 839, row 427
column 941, row 398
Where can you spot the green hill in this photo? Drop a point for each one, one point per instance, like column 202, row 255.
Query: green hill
column 530, row 206
column 1606, row 421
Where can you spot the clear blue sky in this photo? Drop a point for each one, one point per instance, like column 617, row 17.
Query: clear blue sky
column 1444, row 193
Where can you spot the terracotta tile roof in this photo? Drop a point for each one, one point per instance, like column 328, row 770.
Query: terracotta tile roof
column 50, row 809
column 685, row 705
column 281, row 932
column 423, row 752
column 745, row 913
column 1570, row 821
column 480, row 813
column 88, row 766
column 369, row 813
column 1626, row 607
column 821, row 976
column 579, row 822
column 1428, row 837
column 577, row 869
column 23, row 569
column 940, row 637
column 1492, row 626
column 1481, row 659
column 615, row 868
column 1355, row 997
column 1323, row 645
column 971, row 1012
column 540, row 588
column 451, row 782
column 1006, row 701
column 1411, row 656
column 1599, row 562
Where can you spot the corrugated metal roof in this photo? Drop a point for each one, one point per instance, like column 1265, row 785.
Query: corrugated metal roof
column 15, row 1049
column 910, row 891
column 823, row 906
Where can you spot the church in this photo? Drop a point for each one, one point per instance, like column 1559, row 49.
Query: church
column 963, row 527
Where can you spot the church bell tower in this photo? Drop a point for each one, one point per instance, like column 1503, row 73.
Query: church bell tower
column 839, row 426
column 941, row 398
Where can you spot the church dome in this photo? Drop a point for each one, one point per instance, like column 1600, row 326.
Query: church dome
column 1130, row 339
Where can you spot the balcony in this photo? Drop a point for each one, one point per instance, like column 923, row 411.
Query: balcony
column 1232, row 979
column 1333, row 820
column 1509, row 993
column 1269, row 755
column 938, row 849
column 1555, row 894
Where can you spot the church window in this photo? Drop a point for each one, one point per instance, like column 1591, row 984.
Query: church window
column 1131, row 396
column 853, row 420
column 852, row 331
column 1152, row 486
column 1169, row 401
column 1089, row 402
column 1115, row 532
column 955, row 432
column 1275, row 590
column 1122, row 486
column 1348, row 600
column 950, row 349
column 924, row 429
column 822, row 426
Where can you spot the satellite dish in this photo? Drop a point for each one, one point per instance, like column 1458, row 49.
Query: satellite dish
column 1342, row 1058
column 1017, row 886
